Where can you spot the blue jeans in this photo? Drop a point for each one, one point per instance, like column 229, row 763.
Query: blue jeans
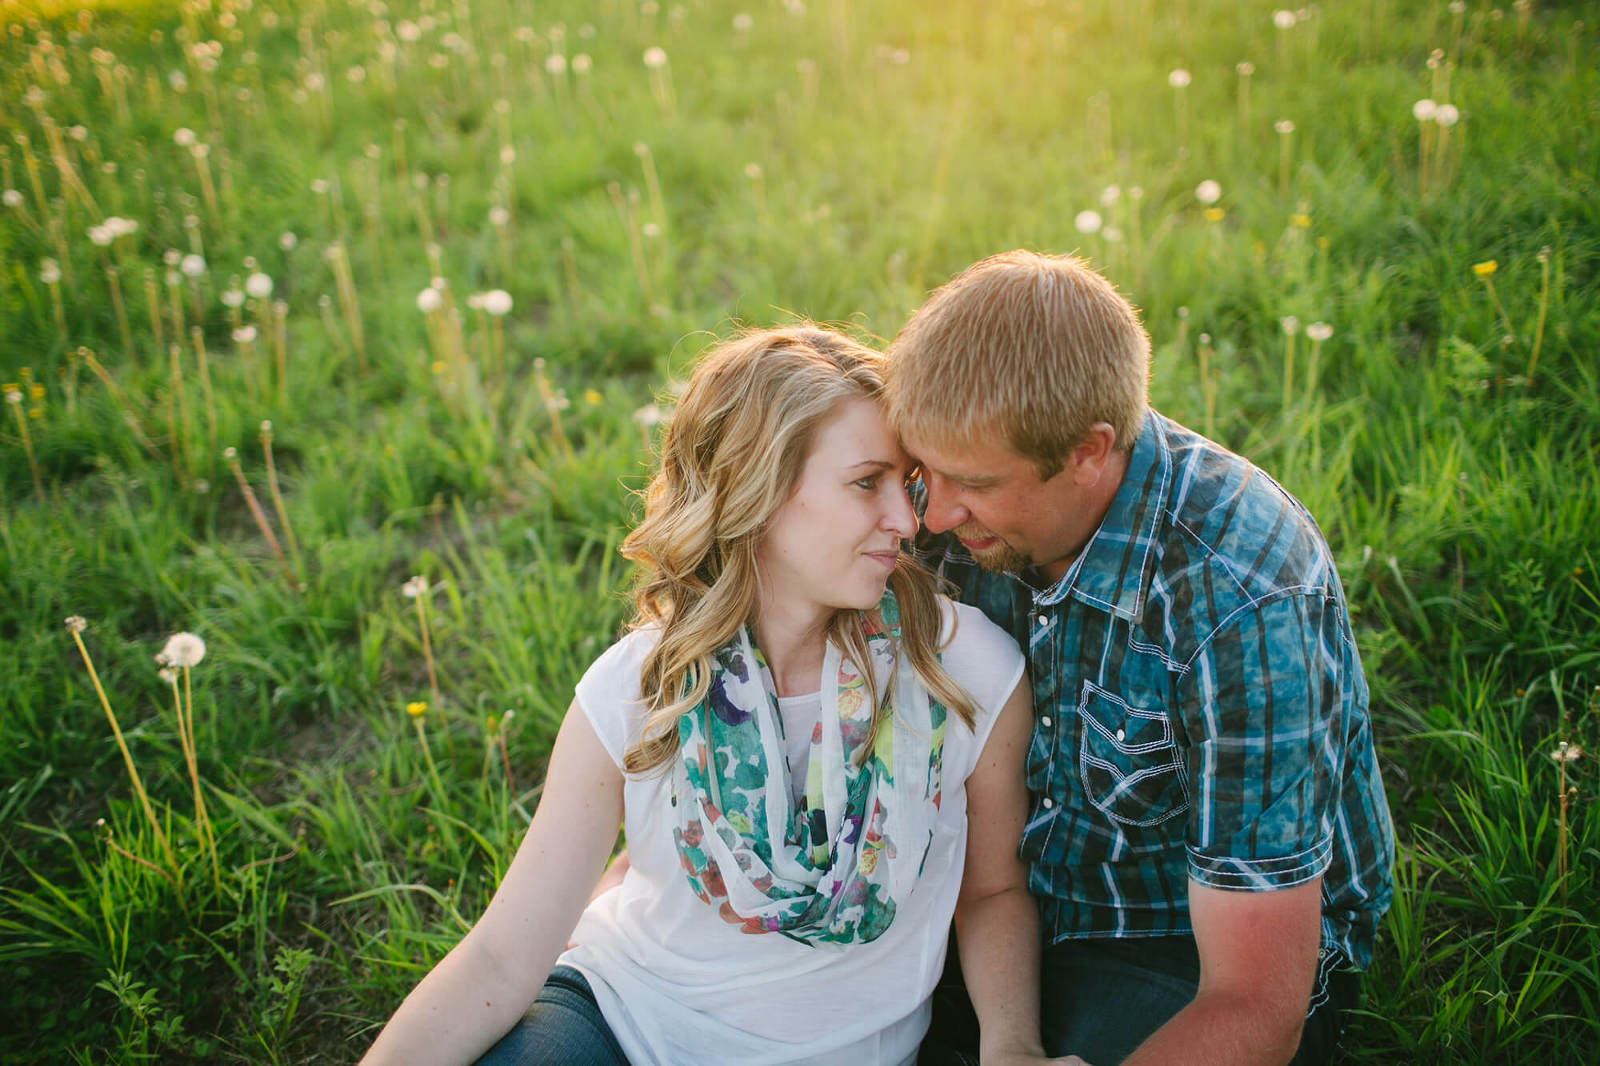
column 564, row 1027
column 1099, row 999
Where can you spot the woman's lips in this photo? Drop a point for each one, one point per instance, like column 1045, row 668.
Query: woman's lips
column 886, row 559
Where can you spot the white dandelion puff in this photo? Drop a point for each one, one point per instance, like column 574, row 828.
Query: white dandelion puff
column 182, row 650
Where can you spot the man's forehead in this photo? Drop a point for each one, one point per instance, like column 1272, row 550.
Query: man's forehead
column 984, row 454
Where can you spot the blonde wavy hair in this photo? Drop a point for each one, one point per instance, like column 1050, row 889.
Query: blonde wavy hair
column 730, row 458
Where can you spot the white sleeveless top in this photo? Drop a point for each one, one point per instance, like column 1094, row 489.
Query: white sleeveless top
column 678, row 985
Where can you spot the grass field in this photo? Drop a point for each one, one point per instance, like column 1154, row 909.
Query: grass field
column 455, row 255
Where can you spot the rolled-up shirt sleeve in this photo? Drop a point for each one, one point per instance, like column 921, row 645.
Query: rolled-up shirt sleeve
column 1260, row 703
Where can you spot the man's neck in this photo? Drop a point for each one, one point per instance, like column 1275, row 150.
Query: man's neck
column 1100, row 496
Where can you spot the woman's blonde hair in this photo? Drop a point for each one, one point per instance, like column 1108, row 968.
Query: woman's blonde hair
column 730, row 458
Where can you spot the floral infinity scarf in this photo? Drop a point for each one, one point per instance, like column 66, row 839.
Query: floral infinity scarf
column 834, row 870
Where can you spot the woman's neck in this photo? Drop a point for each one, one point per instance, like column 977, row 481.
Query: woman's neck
column 793, row 640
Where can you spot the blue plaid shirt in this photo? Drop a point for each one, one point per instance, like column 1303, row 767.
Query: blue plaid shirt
column 1200, row 710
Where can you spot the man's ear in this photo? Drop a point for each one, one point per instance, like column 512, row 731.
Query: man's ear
column 1091, row 456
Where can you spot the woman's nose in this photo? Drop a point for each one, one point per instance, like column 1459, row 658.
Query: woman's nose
column 901, row 517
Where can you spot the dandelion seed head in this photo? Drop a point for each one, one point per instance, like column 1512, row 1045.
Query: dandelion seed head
column 1283, row 19
column 266, row 427
column 742, row 22
column 319, row 186
column 1087, row 222
column 1424, row 110
column 11, row 198
column 650, row 230
column 655, row 57
column 182, row 650
column 168, row 674
column 408, row 31
column 1447, row 115
column 752, row 171
column 555, row 63
column 1284, row 126
column 1290, row 324
column 1458, row 7
column 1319, row 331
column 76, row 624
column 78, row 133
column 49, row 271
column 200, row 486
column 1208, row 192
column 171, row 257
column 429, row 300
column 1245, row 68
column 508, row 155
column 233, row 297
column 1112, row 235
column 1179, row 78
column 499, row 216
column 13, row 394
column 582, row 64
column 288, row 241
column 258, row 286
column 416, row 586
column 101, row 236
column 121, row 227
column 1110, row 195
column 497, row 302
column 183, row 136
column 192, row 265
column 200, row 151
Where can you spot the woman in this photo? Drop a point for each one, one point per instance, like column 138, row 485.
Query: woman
column 797, row 826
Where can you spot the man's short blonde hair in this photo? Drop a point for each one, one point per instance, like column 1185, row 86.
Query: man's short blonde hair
column 1040, row 347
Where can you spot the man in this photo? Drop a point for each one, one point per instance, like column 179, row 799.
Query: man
column 1209, row 840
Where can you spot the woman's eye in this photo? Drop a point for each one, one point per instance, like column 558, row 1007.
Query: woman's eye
column 870, row 482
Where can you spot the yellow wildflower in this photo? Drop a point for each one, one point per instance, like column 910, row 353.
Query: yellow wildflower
column 1214, row 214
column 417, row 708
column 591, row 397
column 1300, row 219
column 1485, row 268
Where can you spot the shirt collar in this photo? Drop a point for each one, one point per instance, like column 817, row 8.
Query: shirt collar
column 1113, row 571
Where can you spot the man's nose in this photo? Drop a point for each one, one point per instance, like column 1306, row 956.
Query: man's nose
column 943, row 512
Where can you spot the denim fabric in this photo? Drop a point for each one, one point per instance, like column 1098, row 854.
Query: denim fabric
column 1100, row 999
column 564, row 1027
column 1200, row 709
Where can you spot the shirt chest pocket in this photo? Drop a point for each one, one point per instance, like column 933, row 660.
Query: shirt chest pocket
column 1128, row 760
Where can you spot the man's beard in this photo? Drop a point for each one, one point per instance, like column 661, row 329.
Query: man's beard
column 1001, row 558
